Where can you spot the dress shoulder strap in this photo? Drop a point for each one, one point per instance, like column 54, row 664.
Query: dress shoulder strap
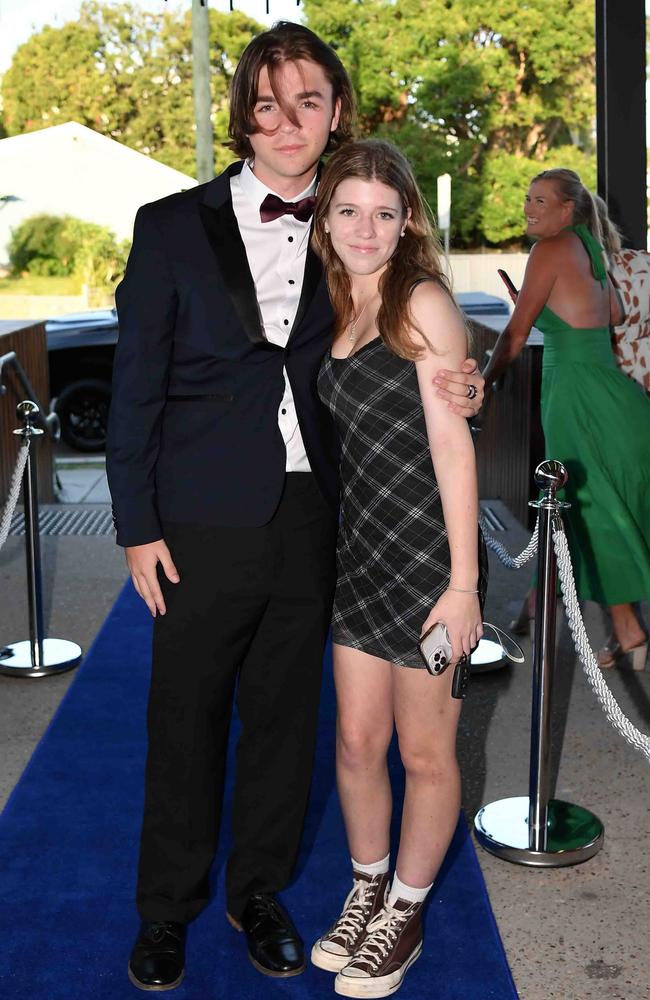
column 595, row 251
column 420, row 281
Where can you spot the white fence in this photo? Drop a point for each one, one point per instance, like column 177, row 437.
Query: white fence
column 471, row 272
column 48, row 306
column 477, row 272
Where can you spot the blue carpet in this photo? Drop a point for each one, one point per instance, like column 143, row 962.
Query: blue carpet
column 68, row 840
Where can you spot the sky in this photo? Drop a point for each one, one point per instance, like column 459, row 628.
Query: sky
column 20, row 18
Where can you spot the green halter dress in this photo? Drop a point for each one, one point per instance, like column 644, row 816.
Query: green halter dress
column 597, row 423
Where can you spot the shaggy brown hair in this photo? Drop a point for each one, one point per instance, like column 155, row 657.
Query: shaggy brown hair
column 418, row 253
column 284, row 42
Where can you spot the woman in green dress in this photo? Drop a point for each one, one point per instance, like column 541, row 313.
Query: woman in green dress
column 596, row 421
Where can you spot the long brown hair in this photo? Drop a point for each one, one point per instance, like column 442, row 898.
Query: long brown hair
column 284, row 42
column 570, row 188
column 417, row 255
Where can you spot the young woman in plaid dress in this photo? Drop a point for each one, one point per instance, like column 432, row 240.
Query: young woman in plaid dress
column 408, row 550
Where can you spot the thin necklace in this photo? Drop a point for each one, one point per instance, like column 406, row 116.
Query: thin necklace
column 352, row 337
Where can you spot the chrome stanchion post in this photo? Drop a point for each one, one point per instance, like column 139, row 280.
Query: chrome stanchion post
column 28, row 410
column 37, row 656
column 535, row 829
column 552, row 476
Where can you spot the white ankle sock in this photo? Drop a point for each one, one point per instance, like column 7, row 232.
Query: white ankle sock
column 399, row 890
column 376, row 868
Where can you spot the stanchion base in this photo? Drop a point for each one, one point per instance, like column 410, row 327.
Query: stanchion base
column 574, row 833
column 58, row 655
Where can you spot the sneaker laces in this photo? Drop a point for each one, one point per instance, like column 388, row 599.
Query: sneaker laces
column 355, row 913
column 381, row 935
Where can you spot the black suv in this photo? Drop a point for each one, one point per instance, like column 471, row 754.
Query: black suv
column 80, row 353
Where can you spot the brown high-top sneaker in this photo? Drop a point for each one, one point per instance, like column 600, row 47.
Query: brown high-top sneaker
column 392, row 943
column 335, row 949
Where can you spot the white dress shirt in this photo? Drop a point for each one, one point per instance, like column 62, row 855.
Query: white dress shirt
column 276, row 253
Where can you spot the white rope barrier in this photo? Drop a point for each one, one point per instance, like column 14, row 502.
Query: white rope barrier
column 512, row 562
column 595, row 678
column 14, row 492
column 608, row 702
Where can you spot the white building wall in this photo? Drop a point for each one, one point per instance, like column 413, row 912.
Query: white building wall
column 477, row 272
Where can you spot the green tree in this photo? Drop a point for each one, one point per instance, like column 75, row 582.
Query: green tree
column 99, row 258
column 53, row 77
column 460, row 84
column 126, row 73
column 505, row 179
column 489, row 92
column 39, row 245
column 63, row 245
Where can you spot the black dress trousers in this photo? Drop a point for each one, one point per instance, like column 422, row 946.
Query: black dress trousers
column 250, row 615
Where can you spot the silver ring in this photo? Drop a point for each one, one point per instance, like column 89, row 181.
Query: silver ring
column 471, row 391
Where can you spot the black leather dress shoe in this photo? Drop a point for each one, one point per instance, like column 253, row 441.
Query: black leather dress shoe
column 158, row 958
column 274, row 945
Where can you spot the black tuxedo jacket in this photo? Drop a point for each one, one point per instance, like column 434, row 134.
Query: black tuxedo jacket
column 193, row 430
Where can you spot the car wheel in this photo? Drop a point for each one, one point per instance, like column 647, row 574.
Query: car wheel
column 83, row 411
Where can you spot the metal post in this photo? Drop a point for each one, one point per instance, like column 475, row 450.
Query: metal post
column 37, row 656
column 444, row 212
column 32, row 536
column 543, row 668
column 535, row 829
column 202, row 91
column 621, row 115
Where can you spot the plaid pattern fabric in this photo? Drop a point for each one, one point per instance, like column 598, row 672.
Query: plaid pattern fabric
column 393, row 557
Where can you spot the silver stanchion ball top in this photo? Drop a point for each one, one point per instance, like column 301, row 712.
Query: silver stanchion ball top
column 27, row 410
column 551, row 475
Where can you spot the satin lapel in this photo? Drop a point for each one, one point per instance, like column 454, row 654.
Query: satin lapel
column 221, row 228
column 311, row 278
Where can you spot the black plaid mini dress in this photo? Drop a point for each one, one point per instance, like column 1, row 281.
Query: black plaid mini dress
column 393, row 560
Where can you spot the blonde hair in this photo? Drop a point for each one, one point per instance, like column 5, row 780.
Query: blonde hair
column 418, row 254
column 611, row 233
column 571, row 188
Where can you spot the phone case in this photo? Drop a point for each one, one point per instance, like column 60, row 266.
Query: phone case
column 435, row 649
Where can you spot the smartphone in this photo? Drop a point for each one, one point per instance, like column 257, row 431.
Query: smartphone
column 506, row 279
column 435, row 649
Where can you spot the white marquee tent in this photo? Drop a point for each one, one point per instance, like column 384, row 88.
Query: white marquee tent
column 71, row 170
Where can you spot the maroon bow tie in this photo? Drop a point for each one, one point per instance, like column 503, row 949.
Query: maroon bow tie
column 273, row 208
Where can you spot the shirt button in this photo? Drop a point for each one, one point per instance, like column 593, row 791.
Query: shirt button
column 291, row 281
column 290, row 239
column 284, row 413
column 286, row 322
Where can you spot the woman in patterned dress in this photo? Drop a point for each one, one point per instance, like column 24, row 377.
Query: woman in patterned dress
column 408, row 551
column 630, row 273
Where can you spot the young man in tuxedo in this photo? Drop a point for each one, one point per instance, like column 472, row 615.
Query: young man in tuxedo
column 222, row 465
